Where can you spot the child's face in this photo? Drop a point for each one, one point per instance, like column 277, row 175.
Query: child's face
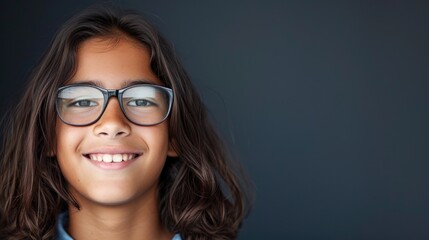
column 112, row 65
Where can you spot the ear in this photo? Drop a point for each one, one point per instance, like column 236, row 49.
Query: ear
column 171, row 152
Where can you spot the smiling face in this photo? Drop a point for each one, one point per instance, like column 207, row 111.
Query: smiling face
column 87, row 155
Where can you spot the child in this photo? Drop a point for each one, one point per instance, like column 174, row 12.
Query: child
column 111, row 141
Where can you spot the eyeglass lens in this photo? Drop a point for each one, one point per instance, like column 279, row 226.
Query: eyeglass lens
column 142, row 104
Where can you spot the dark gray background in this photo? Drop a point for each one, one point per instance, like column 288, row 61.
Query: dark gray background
column 325, row 103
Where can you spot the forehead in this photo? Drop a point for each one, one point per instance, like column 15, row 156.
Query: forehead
column 111, row 62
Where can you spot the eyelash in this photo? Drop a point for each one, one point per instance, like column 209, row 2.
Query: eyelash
column 150, row 103
column 76, row 103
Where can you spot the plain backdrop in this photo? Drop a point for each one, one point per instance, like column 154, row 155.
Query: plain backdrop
column 325, row 103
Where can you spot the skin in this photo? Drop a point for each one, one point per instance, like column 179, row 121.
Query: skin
column 121, row 203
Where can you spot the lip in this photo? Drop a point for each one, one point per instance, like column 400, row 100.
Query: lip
column 112, row 151
column 112, row 165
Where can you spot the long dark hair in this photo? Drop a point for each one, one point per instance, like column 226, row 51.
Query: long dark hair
column 200, row 195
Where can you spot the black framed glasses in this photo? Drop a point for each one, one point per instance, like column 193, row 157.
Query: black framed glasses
column 142, row 104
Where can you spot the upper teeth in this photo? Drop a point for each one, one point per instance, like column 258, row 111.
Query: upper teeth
column 112, row 157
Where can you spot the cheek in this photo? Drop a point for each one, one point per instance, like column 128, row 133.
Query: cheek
column 68, row 138
column 156, row 138
column 68, row 141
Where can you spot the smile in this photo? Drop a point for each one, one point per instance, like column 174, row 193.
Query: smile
column 108, row 158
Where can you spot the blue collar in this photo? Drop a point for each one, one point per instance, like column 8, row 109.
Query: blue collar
column 63, row 219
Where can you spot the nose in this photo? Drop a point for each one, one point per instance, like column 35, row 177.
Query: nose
column 113, row 123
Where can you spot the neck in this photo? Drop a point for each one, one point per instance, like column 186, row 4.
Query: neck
column 130, row 221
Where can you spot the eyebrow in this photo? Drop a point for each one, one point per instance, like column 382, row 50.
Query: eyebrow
column 127, row 83
column 136, row 82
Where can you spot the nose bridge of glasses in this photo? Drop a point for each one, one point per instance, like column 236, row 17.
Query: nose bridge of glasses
column 111, row 93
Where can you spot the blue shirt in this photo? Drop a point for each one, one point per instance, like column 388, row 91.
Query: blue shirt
column 63, row 235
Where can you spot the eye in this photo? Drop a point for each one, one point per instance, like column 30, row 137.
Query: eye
column 83, row 103
column 141, row 103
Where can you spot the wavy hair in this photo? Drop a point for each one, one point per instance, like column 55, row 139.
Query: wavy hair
column 201, row 195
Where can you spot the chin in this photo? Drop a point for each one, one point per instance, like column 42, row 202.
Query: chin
column 113, row 195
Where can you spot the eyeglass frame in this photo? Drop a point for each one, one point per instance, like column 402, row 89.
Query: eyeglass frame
column 107, row 94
